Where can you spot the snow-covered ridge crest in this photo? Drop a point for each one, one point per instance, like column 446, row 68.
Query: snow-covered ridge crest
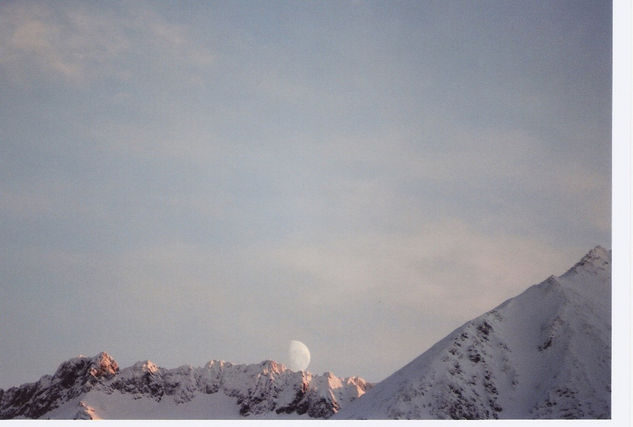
column 597, row 259
column 95, row 387
column 545, row 353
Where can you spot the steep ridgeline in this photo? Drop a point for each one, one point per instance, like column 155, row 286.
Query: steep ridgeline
column 543, row 354
column 92, row 388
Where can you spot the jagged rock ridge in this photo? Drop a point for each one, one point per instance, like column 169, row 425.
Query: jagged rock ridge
column 89, row 388
column 543, row 354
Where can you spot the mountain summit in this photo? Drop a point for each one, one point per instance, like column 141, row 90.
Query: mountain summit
column 543, row 354
column 95, row 387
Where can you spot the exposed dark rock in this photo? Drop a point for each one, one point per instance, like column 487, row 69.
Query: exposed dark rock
column 256, row 388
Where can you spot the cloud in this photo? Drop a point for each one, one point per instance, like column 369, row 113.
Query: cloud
column 342, row 295
column 79, row 43
column 435, row 265
column 352, row 293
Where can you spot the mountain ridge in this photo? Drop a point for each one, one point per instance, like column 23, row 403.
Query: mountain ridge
column 545, row 353
column 542, row 354
column 92, row 387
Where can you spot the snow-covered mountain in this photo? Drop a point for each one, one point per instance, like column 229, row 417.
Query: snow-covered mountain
column 543, row 354
column 95, row 387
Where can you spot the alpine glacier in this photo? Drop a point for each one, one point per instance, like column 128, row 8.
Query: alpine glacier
column 95, row 387
column 543, row 354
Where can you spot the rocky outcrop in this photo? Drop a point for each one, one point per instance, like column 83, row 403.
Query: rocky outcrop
column 257, row 389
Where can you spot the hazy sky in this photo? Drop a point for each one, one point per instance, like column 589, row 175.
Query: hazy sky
column 187, row 181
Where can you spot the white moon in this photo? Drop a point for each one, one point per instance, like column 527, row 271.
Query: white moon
column 298, row 355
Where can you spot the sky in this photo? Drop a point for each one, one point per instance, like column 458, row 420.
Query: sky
column 188, row 181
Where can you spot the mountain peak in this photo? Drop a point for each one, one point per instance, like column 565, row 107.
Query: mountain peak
column 597, row 259
column 271, row 366
column 145, row 366
column 103, row 365
column 599, row 253
column 86, row 368
column 545, row 353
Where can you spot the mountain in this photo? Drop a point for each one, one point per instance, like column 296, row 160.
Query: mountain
column 95, row 387
column 543, row 354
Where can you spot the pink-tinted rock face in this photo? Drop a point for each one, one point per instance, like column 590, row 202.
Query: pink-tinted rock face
column 263, row 389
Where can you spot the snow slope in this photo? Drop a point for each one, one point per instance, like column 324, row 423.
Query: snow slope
column 543, row 354
column 93, row 388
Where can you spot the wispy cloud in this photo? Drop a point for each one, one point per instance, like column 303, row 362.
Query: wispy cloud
column 79, row 42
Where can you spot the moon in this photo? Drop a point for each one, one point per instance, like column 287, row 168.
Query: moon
column 298, row 355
